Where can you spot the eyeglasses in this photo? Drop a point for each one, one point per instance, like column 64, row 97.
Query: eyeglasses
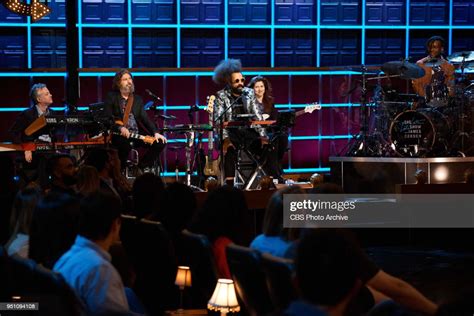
column 239, row 80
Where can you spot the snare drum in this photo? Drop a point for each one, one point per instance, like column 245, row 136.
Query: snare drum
column 415, row 133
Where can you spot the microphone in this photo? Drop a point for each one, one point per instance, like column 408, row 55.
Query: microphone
column 154, row 96
column 193, row 108
column 245, row 92
column 167, row 117
column 149, row 105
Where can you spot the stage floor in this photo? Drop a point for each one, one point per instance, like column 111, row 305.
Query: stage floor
column 383, row 174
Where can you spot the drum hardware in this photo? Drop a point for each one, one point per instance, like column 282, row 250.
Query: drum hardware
column 359, row 145
column 460, row 57
column 440, row 126
column 420, row 133
column 403, row 69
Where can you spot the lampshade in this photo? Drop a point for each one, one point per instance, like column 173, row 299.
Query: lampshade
column 224, row 299
column 183, row 277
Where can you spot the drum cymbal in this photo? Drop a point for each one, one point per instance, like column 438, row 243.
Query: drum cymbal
column 460, row 56
column 368, row 70
column 404, row 69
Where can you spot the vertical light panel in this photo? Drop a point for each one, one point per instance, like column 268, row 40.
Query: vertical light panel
column 129, row 33
column 178, row 33
column 318, row 33
column 28, row 40
column 407, row 30
column 79, row 30
column 450, row 39
column 362, row 35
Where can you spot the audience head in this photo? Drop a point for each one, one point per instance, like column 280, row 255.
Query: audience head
column 273, row 218
column 22, row 211
column 221, row 215
column 100, row 217
column 88, row 180
column 7, row 173
column 211, row 184
column 179, row 208
column 325, row 271
column 148, row 195
column 266, row 183
column 99, row 158
column 53, row 227
column 421, row 176
column 469, row 176
column 328, row 188
column 63, row 170
column 316, row 179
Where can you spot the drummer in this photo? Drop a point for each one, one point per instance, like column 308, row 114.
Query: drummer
column 438, row 82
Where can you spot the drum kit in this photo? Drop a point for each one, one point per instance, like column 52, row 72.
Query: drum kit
column 395, row 124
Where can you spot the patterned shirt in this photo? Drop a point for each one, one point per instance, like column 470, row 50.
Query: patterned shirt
column 224, row 100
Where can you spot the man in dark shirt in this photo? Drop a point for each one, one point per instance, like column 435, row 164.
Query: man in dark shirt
column 137, row 121
column 33, row 163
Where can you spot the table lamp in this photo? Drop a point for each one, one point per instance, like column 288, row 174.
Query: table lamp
column 224, row 298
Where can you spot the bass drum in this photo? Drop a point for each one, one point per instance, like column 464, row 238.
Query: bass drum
column 419, row 133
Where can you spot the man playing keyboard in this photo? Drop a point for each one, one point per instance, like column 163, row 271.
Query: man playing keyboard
column 236, row 100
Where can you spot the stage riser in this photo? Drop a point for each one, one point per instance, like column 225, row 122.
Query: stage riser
column 381, row 175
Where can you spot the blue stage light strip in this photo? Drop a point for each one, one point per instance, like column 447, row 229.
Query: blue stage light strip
column 272, row 47
column 226, row 43
column 450, row 32
column 19, row 109
column 32, row 74
column 323, row 105
column 6, row 24
column 178, row 33
column 129, row 33
column 362, row 33
column 173, row 174
column 407, row 30
column 102, row 26
column 226, row 29
column 202, row 107
column 260, row 26
column 13, row 24
column 29, row 41
column 272, row 33
column 185, row 73
column 79, row 30
column 48, row 25
column 306, row 170
column 321, row 137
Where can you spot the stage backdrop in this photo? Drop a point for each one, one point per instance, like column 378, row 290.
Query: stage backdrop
column 194, row 35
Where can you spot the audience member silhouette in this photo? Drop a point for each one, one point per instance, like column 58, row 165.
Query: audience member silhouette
column 20, row 221
column 53, row 228
column 148, row 195
column 86, row 266
column 276, row 239
column 221, row 219
column 325, row 274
